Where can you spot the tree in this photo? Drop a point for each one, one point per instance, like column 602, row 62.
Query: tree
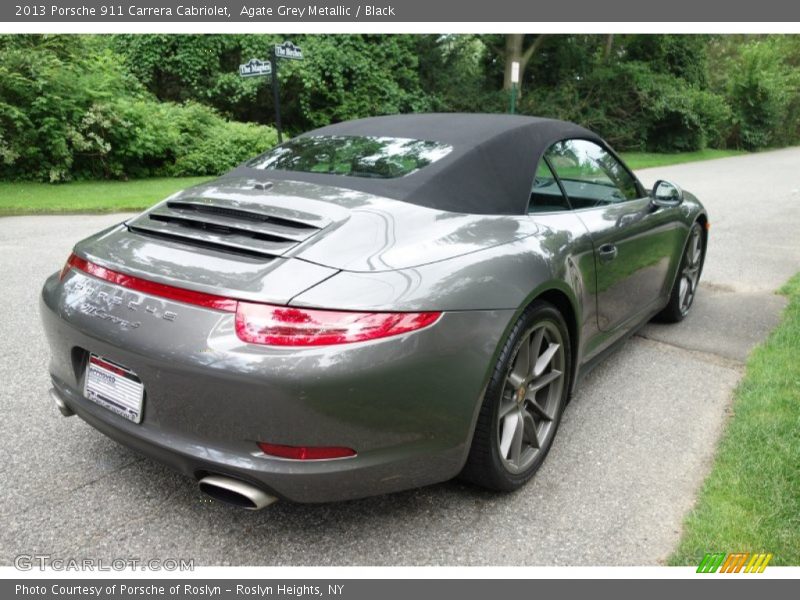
column 70, row 109
column 609, row 45
column 342, row 76
column 517, row 51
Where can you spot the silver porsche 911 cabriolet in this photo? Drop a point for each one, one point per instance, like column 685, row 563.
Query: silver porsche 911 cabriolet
column 369, row 307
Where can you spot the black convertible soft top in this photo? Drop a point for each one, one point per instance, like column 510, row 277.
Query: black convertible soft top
column 489, row 171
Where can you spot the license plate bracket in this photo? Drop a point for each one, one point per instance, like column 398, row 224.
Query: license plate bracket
column 114, row 387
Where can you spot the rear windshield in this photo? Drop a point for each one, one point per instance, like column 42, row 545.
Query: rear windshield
column 352, row 156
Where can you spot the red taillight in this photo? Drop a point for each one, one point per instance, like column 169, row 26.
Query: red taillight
column 150, row 287
column 287, row 326
column 305, row 452
column 71, row 262
column 274, row 325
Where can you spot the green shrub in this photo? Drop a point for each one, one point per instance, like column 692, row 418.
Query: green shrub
column 680, row 117
column 69, row 110
column 47, row 84
column 635, row 108
column 223, row 146
column 763, row 93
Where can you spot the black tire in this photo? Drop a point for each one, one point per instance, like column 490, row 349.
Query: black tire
column 688, row 274
column 485, row 464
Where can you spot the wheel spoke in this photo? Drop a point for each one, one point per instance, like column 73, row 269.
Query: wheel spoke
column 684, row 291
column 543, row 381
column 531, row 435
column 509, row 429
column 516, row 443
column 522, row 364
column 514, row 380
column 506, row 405
column 540, row 411
column 545, row 358
column 536, row 343
column 696, row 250
column 687, row 277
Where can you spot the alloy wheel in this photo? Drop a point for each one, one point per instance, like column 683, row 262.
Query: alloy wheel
column 690, row 274
column 531, row 397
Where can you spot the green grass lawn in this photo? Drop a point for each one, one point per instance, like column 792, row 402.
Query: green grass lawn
column 751, row 500
column 88, row 196
column 645, row 160
column 23, row 198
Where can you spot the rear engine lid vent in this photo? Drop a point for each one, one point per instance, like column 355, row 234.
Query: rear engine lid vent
column 228, row 225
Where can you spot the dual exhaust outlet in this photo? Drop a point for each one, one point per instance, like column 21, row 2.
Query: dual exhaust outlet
column 223, row 489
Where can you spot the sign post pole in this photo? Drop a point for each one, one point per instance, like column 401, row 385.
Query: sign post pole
column 276, row 95
column 260, row 68
column 514, row 83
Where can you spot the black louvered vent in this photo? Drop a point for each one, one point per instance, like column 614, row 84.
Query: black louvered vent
column 253, row 230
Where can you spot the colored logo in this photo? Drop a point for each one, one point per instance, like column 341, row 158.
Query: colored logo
column 737, row 562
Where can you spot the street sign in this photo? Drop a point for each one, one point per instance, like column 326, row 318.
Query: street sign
column 288, row 50
column 255, row 68
column 261, row 68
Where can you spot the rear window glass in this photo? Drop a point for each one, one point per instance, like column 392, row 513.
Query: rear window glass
column 352, row 156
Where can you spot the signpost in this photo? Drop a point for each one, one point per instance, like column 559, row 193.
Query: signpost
column 514, row 84
column 285, row 50
column 261, row 68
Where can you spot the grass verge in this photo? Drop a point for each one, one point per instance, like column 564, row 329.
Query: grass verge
column 751, row 500
column 25, row 198
column 645, row 160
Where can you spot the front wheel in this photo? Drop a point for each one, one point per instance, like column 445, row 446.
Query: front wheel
column 524, row 401
column 685, row 287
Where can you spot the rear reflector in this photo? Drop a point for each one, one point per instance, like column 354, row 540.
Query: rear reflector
column 272, row 325
column 305, row 452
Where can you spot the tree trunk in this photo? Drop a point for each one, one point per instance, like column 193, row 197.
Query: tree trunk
column 609, row 46
column 515, row 51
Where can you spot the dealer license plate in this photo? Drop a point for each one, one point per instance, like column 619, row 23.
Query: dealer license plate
column 114, row 387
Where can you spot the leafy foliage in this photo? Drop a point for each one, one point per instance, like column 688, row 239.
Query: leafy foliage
column 70, row 109
column 140, row 105
column 343, row 76
column 763, row 92
column 647, row 95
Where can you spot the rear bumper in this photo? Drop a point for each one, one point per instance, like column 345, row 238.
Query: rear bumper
column 405, row 404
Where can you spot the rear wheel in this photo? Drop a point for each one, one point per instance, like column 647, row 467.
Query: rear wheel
column 685, row 286
column 524, row 401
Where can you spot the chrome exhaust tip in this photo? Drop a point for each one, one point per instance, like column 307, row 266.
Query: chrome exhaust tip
column 60, row 404
column 235, row 492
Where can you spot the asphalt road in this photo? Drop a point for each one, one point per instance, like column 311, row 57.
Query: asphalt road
column 635, row 444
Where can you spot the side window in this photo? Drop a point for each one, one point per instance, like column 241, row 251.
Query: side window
column 546, row 195
column 590, row 175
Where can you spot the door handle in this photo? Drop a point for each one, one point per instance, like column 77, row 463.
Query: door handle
column 607, row 252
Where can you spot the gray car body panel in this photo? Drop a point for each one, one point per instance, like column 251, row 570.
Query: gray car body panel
column 407, row 403
column 210, row 397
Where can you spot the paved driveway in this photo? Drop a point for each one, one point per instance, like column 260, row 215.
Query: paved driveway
column 634, row 446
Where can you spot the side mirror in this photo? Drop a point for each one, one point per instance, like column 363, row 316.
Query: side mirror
column 665, row 194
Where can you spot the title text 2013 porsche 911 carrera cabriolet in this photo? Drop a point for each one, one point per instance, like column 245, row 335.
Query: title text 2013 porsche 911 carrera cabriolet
column 369, row 307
